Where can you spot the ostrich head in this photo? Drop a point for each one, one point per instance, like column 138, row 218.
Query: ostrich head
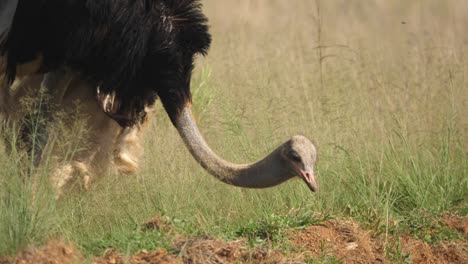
column 300, row 155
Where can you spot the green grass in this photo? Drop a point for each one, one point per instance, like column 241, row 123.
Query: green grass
column 23, row 219
column 389, row 121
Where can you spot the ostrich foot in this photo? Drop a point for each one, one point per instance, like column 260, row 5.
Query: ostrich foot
column 128, row 150
column 125, row 163
column 65, row 174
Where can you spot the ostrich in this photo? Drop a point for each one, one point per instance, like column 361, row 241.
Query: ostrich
column 131, row 53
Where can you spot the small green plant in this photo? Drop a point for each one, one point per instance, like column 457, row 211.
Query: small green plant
column 323, row 257
column 427, row 227
column 127, row 241
column 271, row 228
column 394, row 252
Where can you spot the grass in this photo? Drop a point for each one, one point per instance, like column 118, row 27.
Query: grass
column 388, row 113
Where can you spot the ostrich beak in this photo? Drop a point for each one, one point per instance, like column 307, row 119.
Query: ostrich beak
column 309, row 178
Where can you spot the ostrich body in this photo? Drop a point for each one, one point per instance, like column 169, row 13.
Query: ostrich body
column 130, row 53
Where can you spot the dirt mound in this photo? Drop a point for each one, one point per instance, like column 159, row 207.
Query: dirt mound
column 346, row 241
column 158, row 255
column 421, row 252
column 199, row 251
column 208, row 250
column 459, row 223
column 343, row 240
column 54, row 252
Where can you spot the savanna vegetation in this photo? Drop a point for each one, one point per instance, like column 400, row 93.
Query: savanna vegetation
column 380, row 86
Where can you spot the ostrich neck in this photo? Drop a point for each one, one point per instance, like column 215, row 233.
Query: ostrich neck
column 267, row 172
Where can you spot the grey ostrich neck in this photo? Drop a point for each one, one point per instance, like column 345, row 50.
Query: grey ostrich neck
column 267, row 172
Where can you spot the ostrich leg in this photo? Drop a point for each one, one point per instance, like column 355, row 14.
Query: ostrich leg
column 34, row 128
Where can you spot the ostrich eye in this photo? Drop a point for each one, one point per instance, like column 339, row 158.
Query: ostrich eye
column 293, row 155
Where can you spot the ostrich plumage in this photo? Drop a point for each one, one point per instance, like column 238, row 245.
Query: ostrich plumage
column 139, row 50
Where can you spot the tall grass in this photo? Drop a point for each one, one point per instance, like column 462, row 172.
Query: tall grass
column 388, row 113
column 25, row 218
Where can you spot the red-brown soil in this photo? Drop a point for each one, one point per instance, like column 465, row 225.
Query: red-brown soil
column 459, row 223
column 446, row 252
column 198, row 250
column 158, row 255
column 342, row 240
column 208, row 250
column 349, row 243
column 53, row 252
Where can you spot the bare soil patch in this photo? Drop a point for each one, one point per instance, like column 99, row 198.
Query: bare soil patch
column 460, row 223
column 444, row 252
column 158, row 255
column 344, row 240
column 348, row 242
column 53, row 252
column 211, row 251
column 198, row 251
